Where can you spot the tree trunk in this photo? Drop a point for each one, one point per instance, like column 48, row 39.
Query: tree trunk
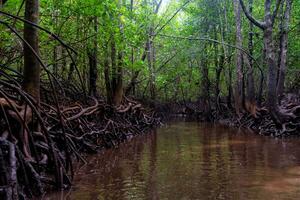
column 261, row 80
column 153, row 74
column 64, row 61
column 219, row 66
column 118, row 91
column 32, row 69
column 132, row 84
column 270, row 58
column 272, row 101
column 250, row 103
column 250, row 99
column 93, row 72
column 107, row 78
column 229, row 87
column 226, row 59
column 71, row 71
column 267, row 27
column 239, row 72
column 205, row 89
column 151, row 63
column 117, row 74
column 283, row 47
column 218, row 77
column 151, row 56
column 113, row 58
column 55, row 60
column 250, row 34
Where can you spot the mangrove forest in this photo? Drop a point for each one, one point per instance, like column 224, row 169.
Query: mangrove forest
column 150, row 99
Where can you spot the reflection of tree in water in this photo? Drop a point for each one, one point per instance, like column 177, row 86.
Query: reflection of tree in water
column 189, row 161
column 215, row 177
column 118, row 172
column 151, row 186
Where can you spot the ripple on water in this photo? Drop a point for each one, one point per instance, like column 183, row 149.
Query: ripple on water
column 192, row 161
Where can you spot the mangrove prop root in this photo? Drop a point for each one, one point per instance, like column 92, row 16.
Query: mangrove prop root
column 39, row 143
column 258, row 119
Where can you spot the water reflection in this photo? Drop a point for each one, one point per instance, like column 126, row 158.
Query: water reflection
column 187, row 160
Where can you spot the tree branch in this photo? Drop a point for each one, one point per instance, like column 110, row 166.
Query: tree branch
column 278, row 2
column 170, row 19
column 68, row 48
column 214, row 41
column 157, row 6
column 257, row 23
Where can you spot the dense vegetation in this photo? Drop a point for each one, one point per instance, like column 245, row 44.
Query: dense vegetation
column 69, row 72
column 156, row 48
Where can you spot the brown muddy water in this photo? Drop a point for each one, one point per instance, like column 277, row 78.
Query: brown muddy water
column 189, row 160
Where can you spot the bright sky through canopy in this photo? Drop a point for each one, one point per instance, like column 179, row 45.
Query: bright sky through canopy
column 164, row 5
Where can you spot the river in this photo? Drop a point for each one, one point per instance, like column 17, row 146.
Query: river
column 189, row 160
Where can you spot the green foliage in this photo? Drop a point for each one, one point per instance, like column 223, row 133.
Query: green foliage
column 73, row 22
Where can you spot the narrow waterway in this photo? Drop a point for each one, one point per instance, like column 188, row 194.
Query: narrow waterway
column 189, row 160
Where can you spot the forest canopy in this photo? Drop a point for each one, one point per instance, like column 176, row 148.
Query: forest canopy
column 172, row 70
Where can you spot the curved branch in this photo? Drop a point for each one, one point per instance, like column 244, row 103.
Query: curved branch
column 257, row 23
column 41, row 28
column 218, row 42
column 170, row 19
column 68, row 48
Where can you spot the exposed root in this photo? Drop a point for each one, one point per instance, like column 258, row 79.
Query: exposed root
column 40, row 142
column 285, row 121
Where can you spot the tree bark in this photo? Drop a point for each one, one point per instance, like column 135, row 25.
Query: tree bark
column 107, row 78
column 283, row 47
column 55, row 58
column 250, row 103
column 151, row 63
column 250, row 99
column 117, row 76
column 239, row 72
column 113, row 58
column 229, row 87
column 118, row 91
column 93, row 72
column 32, row 69
column 261, row 80
column 219, row 65
column 205, row 89
column 218, row 78
column 272, row 100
